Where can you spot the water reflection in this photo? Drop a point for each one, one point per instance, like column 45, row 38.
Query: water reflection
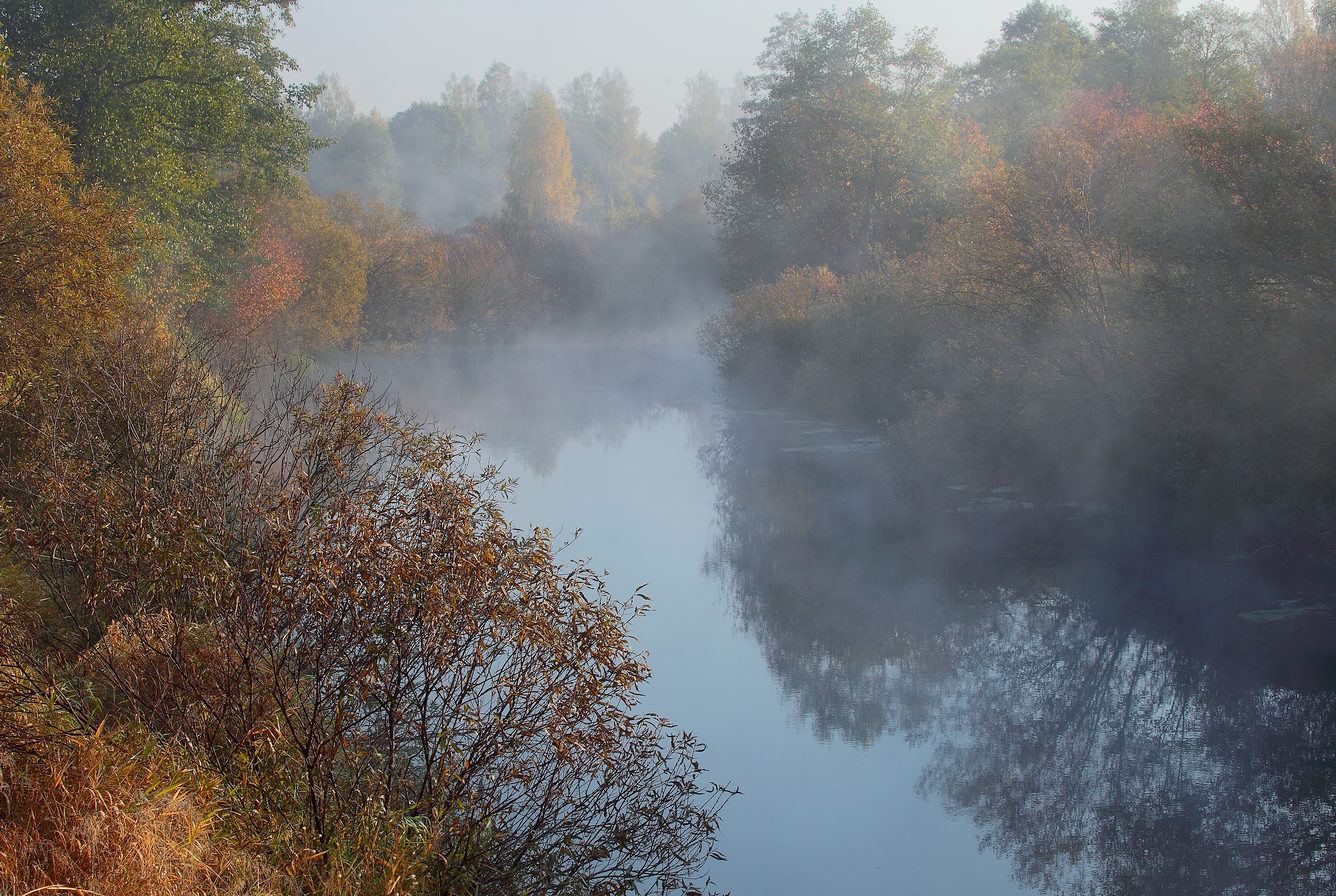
column 534, row 396
column 1114, row 718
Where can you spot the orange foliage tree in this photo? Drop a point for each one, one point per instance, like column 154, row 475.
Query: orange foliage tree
column 405, row 296
column 328, row 308
column 271, row 284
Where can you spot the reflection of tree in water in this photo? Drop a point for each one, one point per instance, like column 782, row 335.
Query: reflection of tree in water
column 814, row 584
column 1099, row 750
column 1101, row 761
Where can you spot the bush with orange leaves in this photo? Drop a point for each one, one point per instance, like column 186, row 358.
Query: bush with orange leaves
column 767, row 333
column 322, row 601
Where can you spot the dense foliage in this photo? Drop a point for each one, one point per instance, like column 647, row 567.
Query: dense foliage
column 180, row 108
column 1118, row 293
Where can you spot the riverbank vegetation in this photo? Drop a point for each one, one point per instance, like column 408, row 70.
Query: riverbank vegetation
column 262, row 632
column 1093, row 267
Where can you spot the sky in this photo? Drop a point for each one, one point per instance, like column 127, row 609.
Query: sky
column 394, row 52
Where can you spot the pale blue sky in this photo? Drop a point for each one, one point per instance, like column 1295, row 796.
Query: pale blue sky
column 393, row 52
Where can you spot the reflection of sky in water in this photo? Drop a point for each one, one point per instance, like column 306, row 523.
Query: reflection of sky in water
column 854, row 684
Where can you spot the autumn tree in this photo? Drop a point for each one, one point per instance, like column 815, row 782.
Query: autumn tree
column 181, row 108
column 406, row 298
column 327, row 308
column 271, row 283
column 63, row 245
column 768, row 329
column 541, row 183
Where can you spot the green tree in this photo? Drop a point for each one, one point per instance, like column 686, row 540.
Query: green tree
column 358, row 153
column 541, row 182
column 609, row 154
column 452, row 153
column 437, row 146
column 687, row 155
column 1023, row 81
column 1139, row 47
column 847, row 147
column 180, row 107
column 1218, row 48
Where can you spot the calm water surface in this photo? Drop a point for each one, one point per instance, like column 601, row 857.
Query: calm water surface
column 910, row 702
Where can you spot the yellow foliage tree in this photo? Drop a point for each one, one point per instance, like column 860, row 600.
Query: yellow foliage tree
column 63, row 247
column 542, row 186
column 336, row 262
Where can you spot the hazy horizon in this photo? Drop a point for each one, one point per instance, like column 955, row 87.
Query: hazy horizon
column 409, row 48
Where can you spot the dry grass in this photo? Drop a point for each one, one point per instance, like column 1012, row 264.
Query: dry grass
column 115, row 818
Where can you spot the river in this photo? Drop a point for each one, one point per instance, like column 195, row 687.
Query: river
column 912, row 698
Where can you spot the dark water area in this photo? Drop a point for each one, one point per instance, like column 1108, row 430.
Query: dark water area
column 918, row 688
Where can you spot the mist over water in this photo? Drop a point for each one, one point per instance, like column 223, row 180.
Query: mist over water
column 917, row 688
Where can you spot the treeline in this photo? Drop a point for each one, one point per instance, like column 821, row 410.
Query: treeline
column 262, row 633
column 494, row 208
column 456, row 159
column 1094, row 266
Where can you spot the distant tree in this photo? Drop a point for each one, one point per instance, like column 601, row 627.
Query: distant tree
column 541, row 183
column 452, row 153
column 1298, row 65
column 688, row 154
column 610, row 156
column 359, row 153
column 501, row 95
column 438, row 147
column 1277, row 22
column 333, row 108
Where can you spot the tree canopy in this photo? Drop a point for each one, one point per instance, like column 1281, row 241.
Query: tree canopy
column 540, row 175
column 181, row 108
column 842, row 149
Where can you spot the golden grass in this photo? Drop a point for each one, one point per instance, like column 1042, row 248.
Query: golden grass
column 111, row 817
